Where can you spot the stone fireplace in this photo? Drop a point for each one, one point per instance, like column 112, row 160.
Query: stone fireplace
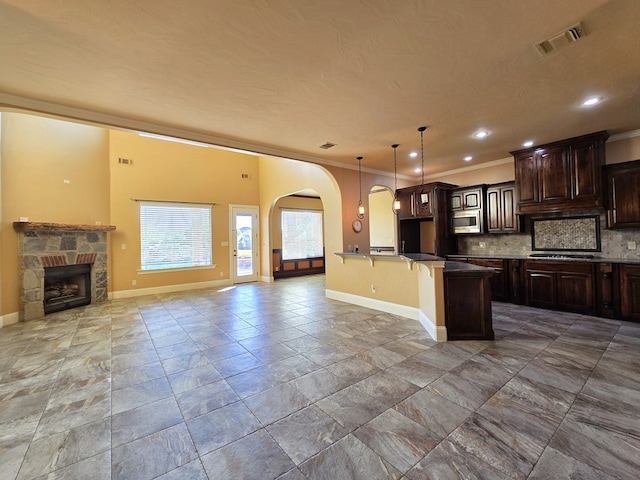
column 60, row 266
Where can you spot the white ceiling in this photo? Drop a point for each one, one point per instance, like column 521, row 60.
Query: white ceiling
column 289, row 75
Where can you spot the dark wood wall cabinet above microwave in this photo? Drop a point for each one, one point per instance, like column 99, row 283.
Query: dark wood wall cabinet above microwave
column 622, row 185
column 492, row 206
column 560, row 176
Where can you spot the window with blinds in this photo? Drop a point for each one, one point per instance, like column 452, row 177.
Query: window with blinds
column 174, row 235
column 302, row 235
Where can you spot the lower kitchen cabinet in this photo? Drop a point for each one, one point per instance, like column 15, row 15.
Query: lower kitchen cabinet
column 607, row 288
column 499, row 280
column 630, row 292
column 516, row 281
column 567, row 286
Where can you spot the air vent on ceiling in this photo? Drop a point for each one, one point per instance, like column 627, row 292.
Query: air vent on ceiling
column 327, row 145
column 562, row 39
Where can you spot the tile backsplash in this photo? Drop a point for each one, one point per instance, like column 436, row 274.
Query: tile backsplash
column 614, row 243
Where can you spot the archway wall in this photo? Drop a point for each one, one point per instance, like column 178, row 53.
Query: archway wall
column 394, row 283
column 280, row 177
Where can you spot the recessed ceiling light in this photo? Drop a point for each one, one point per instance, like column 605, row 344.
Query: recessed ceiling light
column 417, row 170
column 481, row 134
column 468, row 158
column 413, row 154
column 591, row 101
column 528, row 143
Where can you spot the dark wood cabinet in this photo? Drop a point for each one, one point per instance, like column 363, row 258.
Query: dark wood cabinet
column 499, row 281
column 560, row 176
column 468, row 198
column 516, row 281
column 607, row 287
column 501, row 209
column 423, row 213
column 559, row 285
column 622, row 184
column 415, row 202
column 630, row 292
column 467, row 304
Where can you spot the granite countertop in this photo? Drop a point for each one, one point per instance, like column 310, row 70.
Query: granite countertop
column 420, row 257
column 559, row 258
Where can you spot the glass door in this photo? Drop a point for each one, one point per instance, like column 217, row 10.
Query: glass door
column 244, row 243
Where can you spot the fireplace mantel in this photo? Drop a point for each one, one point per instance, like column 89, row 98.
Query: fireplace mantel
column 60, row 227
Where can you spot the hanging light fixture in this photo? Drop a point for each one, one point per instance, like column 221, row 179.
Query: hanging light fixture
column 396, row 201
column 424, row 197
column 360, row 210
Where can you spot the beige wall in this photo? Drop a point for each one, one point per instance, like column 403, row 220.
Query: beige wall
column 500, row 171
column 347, row 179
column 625, row 150
column 38, row 155
column 169, row 171
column 279, row 178
column 382, row 221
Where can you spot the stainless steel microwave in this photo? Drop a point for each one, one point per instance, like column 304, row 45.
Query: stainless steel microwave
column 467, row 221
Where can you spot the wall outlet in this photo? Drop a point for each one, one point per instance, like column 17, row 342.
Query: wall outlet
column 373, row 288
column 24, row 219
column 134, row 282
column 123, row 246
column 631, row 245
column 224, row 244
column 66, row 182
column 222, row 274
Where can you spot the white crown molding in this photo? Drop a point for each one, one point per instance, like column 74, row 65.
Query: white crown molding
column 470, row 168
column 624, row 136
column 23, row 104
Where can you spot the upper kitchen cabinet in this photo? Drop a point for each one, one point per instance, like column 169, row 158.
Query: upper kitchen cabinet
column 622, row 182
column 501, row 208
column 560, row 176
column 415, row 202
column 468, row 198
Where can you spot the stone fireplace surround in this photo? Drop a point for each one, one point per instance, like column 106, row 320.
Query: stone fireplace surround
column 43, row 245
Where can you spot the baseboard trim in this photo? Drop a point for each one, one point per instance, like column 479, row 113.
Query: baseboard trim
column 387, row 307
column 438, row 333
column 9, row 319
column 139, row 292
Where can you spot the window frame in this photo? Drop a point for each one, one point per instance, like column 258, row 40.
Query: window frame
column 177, row 265
column 284, row 210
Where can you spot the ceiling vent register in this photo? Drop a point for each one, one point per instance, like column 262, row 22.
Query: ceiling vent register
column 573, row 34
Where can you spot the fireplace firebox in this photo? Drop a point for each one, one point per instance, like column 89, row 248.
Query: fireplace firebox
column 66, row 286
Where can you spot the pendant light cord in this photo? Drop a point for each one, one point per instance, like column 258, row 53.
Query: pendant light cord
column 360, row 178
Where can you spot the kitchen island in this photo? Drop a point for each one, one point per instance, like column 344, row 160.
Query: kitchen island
column 452, row 300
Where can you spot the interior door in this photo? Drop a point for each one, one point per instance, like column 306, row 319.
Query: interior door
column 245, row 245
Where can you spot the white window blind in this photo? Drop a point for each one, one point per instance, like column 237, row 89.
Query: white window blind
column 174, row 235
column 301, row 234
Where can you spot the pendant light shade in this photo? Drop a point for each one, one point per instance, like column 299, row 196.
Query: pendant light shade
column 360, row 209
column 396, row 201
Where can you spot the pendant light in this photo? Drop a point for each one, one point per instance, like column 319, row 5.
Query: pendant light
column 360, row 209
column 396, row 200
column 424, row 197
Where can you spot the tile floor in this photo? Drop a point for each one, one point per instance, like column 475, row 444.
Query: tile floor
column 267, row 381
